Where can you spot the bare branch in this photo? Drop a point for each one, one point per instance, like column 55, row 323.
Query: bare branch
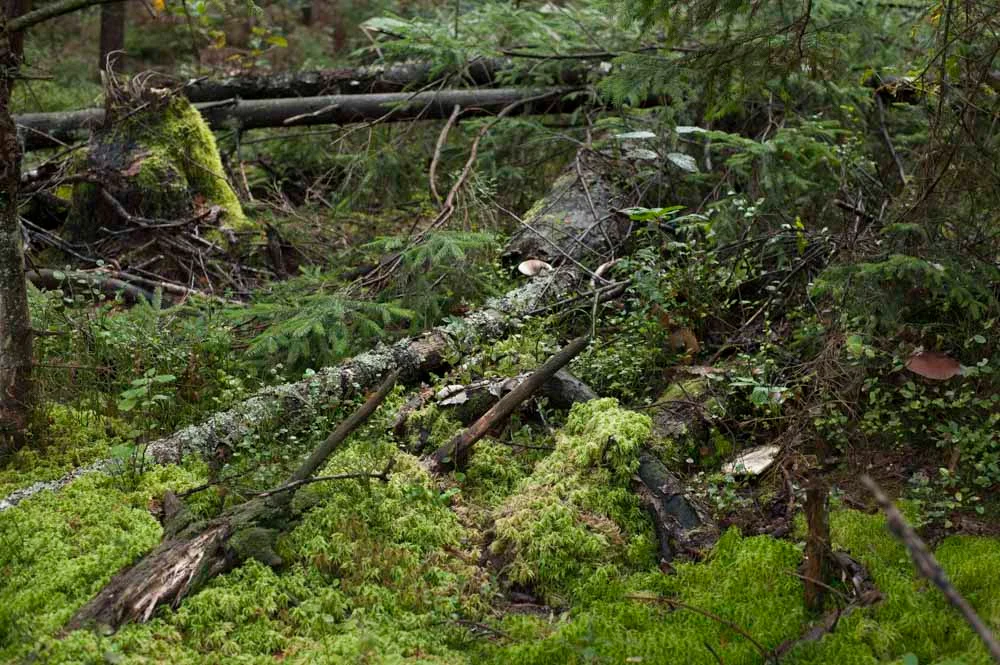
column 928, row 566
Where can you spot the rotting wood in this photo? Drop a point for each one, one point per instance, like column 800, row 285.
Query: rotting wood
column 198, row 552
column 454, row 453
column 683, row 526
column 817, row 554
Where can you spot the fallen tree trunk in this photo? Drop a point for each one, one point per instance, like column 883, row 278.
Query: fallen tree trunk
column 412, row 357
column 396, row 77
column 46, row 130
column 683, row 526
column 185, row 562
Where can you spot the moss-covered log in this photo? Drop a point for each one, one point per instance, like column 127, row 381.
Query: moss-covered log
column 413, row 358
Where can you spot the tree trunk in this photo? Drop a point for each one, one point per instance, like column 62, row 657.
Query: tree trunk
column 817, row 554
column 112, row 36
column 15, row 323
column 16, row 8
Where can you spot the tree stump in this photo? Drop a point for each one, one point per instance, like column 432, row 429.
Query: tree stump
column 152, row 169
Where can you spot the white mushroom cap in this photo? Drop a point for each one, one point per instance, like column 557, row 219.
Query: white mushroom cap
column 533, row 267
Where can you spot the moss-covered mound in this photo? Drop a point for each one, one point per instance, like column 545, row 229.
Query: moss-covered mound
column 160, row 161
column 575, row 514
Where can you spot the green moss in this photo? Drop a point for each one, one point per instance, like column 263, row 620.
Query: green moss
column 429, row 427
column 178, row 167
column 575, row 514
column 618, row 619
column 914, row 617
column 691, row 389
column 748, row 581
column 58, row 549
column 180, row 138
column 493, row 472
column 379, row 572
column 63, row 438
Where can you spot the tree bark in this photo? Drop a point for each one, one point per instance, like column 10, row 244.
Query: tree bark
column 15, row 8
column 683, row 526
column 15, row 324
column 112, row 36
column 396, row 77
column 817, row 554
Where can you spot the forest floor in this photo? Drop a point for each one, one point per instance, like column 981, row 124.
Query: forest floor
column 539, row 549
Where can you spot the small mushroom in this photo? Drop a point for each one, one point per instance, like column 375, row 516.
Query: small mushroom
column 604, row 267
column 533, row 267
column 933, row 365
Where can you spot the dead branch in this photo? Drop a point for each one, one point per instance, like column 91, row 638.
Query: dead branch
column 455, row 452
column 42, row 130
column 928, row 566
column 339, row 435
column 197, row 553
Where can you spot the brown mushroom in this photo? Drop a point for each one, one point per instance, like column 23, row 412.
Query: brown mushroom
column 933, row 365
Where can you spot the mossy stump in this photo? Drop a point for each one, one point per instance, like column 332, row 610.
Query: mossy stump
column 157, row 158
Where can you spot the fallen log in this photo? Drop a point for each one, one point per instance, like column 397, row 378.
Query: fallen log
column 46, row 130
column 454, row 453
column 683, row 526
column 395, row 77
column 198, row 552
